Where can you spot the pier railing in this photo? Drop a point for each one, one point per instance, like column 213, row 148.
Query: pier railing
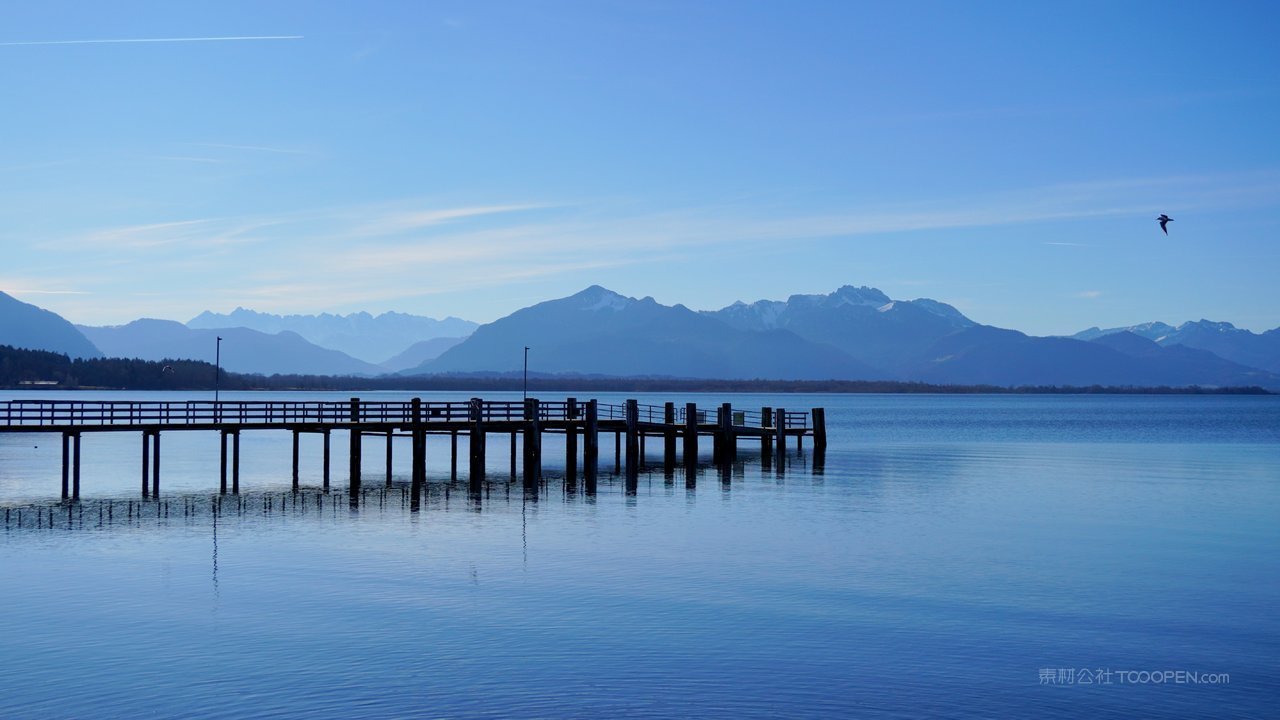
column 16, row 414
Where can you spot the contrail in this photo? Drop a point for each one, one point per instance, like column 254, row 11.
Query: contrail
column 155, row 40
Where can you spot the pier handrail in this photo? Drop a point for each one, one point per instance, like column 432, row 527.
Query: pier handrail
column 19, row 414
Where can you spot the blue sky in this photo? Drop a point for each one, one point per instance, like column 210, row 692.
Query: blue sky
column 472, row 158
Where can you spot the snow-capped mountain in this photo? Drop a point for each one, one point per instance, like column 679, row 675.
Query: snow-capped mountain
column 862, row 321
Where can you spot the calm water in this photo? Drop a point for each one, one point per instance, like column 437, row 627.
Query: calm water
column 953, row 555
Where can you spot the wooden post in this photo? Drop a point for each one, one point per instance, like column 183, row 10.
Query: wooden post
column 633, row 440
column 419, row 433
column 295, row 458
column 819, row 429
column 355, row 448
column 730, row 443
column 66, row 465
column 513, row 456
column 717, row 438
column 617, row 451
column 780, row 431
column 669, row 435
column 146, row 464
column 453, row 455
column 766, row 442
column 591, row 444
column 75, row 464
column 155, row 466
column 691, row 434
column 326, row 460
column 235, row 462
column 222, row 474
column 390, row 436
column 571, row 440
column 532, row 442
column 476, row 442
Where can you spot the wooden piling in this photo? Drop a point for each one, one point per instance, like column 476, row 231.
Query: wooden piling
column 513, row 456
column 532, row 442
column 780, row 432
column 325, row 457
column 571, row 441
column 354, row 485
column 819, row 429
column 476, row 442
column 235, row 463
column 66, row 465
column 691, row 434
column 633, row 438
column 222, row 462
column 146, row 464
column 295, row 458
column 453, row 456
column 419, row 433
column 766, row 440
column 591, row 444
column 730, row 442
column 390, row 437
column 155, row 465
column 75, row 465
column 669, row 435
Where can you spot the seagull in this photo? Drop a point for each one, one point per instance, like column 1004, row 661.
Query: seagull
column 1164, row 220
column 166, row 369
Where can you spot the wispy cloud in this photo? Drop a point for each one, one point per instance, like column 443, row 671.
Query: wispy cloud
column 116, row 41
column 1067, row 244
column 254, row 148
column 189, row 158
column 1089, row 294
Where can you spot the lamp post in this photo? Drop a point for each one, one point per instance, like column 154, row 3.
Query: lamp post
column 526, row 372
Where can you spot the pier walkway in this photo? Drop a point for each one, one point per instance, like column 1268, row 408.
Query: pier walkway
column 525, row 421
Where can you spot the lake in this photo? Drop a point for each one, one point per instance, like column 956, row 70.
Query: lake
column 952, row 555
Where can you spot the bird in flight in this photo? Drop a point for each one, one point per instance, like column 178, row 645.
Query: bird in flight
column 1164, row 221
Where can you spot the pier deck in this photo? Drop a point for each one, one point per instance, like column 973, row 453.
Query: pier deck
column 475, row 418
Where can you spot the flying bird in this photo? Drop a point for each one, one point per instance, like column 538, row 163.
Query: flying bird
column 1164, row 221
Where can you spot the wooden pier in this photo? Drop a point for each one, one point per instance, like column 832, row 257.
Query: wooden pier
column 525, row 422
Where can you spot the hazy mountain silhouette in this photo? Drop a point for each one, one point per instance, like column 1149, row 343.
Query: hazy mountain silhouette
column 23, row 325
column 371, row 338
column 599, row 331
column 984, row 354
column 1223, row 339
column 863, row 321
column 419, row 353
column 243, row 350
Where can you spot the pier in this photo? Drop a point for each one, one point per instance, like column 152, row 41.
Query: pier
column 680, row 429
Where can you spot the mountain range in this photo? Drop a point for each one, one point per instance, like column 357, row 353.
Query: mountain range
column 243, row 350
column 854, row 333
column 373, row 339
column 1260, row 350
column 598, row 331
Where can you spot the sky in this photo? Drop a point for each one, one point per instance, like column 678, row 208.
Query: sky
column 472, row 158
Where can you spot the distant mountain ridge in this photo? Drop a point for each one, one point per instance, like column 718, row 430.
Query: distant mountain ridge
column 1259, row 350
column 598, row 331
column 862, row 321
column 854, row 333
column 373, row 339
column 23, row 325
column 243, row 350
